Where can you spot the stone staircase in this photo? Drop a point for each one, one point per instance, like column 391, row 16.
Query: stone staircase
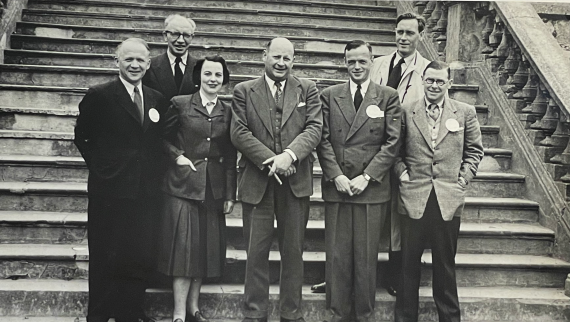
column 505, row 268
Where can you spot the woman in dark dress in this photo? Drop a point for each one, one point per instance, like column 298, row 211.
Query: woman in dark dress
column 199, row 186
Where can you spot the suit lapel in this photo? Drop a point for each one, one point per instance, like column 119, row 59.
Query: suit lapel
column 449, row 112
column 165, row 76
column 291, row 97
column 218, row 109
column 370, row 98
column 420, row 120
column 125, row 100
column 259, row 100
column 188, row 85
column 345, row 103
column 410, row 69
column 149, row 102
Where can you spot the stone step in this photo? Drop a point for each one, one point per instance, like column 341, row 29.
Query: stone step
column 384, row 33
column 46, row 168
column 221, row 301
column 90, row 76
column 367, row 9
column 52, row 58
column 36, row 227
column 70, row 261
column 201, row 13
column 61, row 143
column 210, row 38
column 247, row 52
column 72, row 197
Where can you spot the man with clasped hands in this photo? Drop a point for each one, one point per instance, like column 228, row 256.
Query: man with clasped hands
column 360, row 143
column 276, row 124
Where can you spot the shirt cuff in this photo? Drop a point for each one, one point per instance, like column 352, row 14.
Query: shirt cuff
column 403, row 173
column 292, row 154
column 178, row 157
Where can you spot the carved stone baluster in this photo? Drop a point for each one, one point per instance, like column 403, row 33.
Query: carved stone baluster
column 420, row 6
column 486, row 33
column 428, row 10
column 504, row 51
column 560, row 136
column 432, row 21
column 510, row 67
column 564, row 159
column 495, row 39
column 540, row 103
column 528, row 94
column 441, row 28
column 549, row 121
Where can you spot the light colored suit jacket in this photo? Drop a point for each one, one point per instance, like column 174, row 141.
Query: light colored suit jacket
column 410, row 88
column 455, row 154
column 252, row 134
column 354, row 143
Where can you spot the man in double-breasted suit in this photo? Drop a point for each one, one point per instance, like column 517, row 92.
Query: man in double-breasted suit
column 440, row 155
column 171, row 72
column 118, row 135
column 360, row 143
column 277, row 122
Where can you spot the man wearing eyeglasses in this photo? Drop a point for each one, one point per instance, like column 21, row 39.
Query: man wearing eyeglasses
column 440, row 155
column 171, row 72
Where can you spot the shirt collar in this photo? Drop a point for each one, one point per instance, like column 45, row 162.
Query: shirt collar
column 205, row 100
column 130, row 87
column 439, row 104
column 407, row 60
column 172, row 58
column 363, row 87
column 271, row 82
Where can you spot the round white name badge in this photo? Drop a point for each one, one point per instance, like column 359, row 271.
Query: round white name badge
column 153, row 115
column 452, row 125
column 373, row 111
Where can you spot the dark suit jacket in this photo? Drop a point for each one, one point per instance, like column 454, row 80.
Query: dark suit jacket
column 122, row 155
column 252, row 133
column 455, row 154
column 354, row 143
column 160, row 77
column 205, row 140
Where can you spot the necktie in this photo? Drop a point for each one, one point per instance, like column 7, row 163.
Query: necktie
column 178, row 72
column 357, row 97
column 137, row 99
column 278, row 92
column 210, row 107
column 433, row 111
column 395, row 75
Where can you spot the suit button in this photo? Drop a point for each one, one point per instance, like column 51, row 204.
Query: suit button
column 434, row 163
column 208, row 139
column 433, row 178
column 205, row 159
column 209, row 120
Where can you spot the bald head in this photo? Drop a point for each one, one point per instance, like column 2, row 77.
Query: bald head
column 278, row 57
column 133, row 60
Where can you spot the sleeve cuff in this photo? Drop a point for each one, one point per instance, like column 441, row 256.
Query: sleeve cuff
column 292, row 154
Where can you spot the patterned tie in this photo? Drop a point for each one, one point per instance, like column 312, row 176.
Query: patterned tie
column 137, row 99
column 395, row 75
column 433, row 111
column 278, row 92
column 210, row 107
column 357, row 97
column 178, row 73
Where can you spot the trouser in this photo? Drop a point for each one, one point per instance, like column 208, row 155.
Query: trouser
column 292, row 215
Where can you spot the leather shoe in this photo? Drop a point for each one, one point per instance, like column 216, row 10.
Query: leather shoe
column 391, row 290
column 297, row 320
column 254, row 319
column 319, row 288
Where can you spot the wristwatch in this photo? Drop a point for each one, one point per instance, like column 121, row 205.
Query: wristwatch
column 366, row 176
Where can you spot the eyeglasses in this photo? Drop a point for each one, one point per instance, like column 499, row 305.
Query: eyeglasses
column 439, row 82
column 176, row 35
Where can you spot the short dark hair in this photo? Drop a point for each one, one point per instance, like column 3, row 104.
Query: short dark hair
column 355, row 44
column 196, row 77
column 408, row 15
column 439, row 65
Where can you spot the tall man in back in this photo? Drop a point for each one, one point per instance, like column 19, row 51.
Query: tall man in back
column 118, row 135
column 360, row 143
column 171, row 72
column 277, row 122
column 440, row 155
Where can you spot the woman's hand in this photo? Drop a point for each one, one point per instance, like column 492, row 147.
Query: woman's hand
column 228, row 206
column 182, row 160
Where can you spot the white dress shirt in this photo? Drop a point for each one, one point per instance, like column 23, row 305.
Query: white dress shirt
column 172, row 60
column 363, row 88
column 131, row 89
column 205, row 102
